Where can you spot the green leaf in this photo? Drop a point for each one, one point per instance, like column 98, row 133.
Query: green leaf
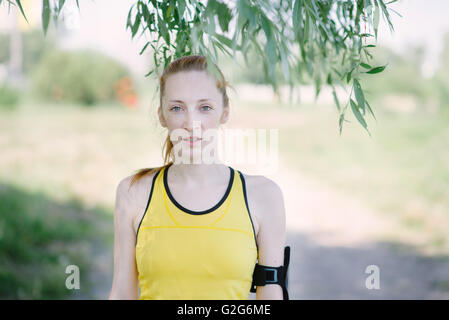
column 340, row 121
column 386, row 14
column 246, row 11
column 376, row 69
column 365, row 65
column 149, row 73
column 359, row 95
column 226, row 41
column 143, row 49
column 60, row 5
column 371, row 111
column 358, row 115
column 170, row 12
column 284, row 62
column 181, row 8
column 222, row 48
column 297, row 15
column 211, row 66
column 336, row 98
column 337, row 72
column 271, row 44
column 317, row 81
column 21, row 10
column 376, row 18
column 147, row 16
column 163, row 30
column 46, row 12
column 136, row 25
column 348, row 76
column 224, row 16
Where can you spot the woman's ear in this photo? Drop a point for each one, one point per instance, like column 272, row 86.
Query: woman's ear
column 225, row 116
column 161, row 117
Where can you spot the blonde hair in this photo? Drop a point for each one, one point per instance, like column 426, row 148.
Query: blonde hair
column 186, row 63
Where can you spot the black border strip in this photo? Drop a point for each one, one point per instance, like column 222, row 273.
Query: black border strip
column 247, row 208
column 148, row 203
column 180, row 207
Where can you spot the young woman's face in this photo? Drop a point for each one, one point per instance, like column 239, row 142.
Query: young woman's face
column 192, row 104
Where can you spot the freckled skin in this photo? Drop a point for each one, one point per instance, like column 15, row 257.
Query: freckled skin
column 265, row 199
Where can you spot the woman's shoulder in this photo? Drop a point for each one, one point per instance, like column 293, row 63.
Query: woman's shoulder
column 261, row 185
column 132, row 186
column 266, row 202
column 132, row 194
column 264, row 194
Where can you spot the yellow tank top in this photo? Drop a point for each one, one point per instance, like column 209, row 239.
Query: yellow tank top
column 190, row 255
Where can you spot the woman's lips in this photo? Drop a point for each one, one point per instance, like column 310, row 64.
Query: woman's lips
column 191, row 141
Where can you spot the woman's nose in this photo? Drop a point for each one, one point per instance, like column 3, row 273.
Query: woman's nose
column 192, row 122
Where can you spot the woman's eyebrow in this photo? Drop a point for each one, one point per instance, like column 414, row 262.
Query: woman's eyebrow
column 200, row 100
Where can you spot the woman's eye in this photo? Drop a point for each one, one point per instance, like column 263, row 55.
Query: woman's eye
column 206, row 107
column 175, row 108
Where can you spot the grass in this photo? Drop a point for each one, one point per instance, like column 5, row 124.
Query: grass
column 40, row 237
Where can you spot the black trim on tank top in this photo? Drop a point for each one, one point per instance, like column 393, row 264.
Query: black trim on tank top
column 247, row 208
column 148, row 202
column 182, row 208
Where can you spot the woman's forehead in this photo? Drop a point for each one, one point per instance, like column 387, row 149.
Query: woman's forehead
column 191, row 85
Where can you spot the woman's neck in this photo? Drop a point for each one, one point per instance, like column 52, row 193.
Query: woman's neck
column 198, row 174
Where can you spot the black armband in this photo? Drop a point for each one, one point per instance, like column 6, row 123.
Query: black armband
column 263, row 275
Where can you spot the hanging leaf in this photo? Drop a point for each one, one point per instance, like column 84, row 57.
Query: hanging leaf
column 365, row 65
column 371, row 111
column 46, row 12
column 376, row 18
column 356, row 110
column 359, row 95
column 21, row 10
column 60, row 5
column 143, row 49
column 337, row 103
column 376, row 70
column 135, row 25
column 348, row 76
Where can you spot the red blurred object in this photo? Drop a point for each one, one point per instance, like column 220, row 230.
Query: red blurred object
column 125, row 93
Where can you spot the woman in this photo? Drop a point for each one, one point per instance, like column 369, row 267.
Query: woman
column 195, row 230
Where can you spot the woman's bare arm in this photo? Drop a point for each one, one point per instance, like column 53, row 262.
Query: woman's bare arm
column 272, row 235
column 124, row 283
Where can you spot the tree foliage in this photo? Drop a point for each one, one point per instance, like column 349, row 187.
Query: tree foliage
column 322, row 39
